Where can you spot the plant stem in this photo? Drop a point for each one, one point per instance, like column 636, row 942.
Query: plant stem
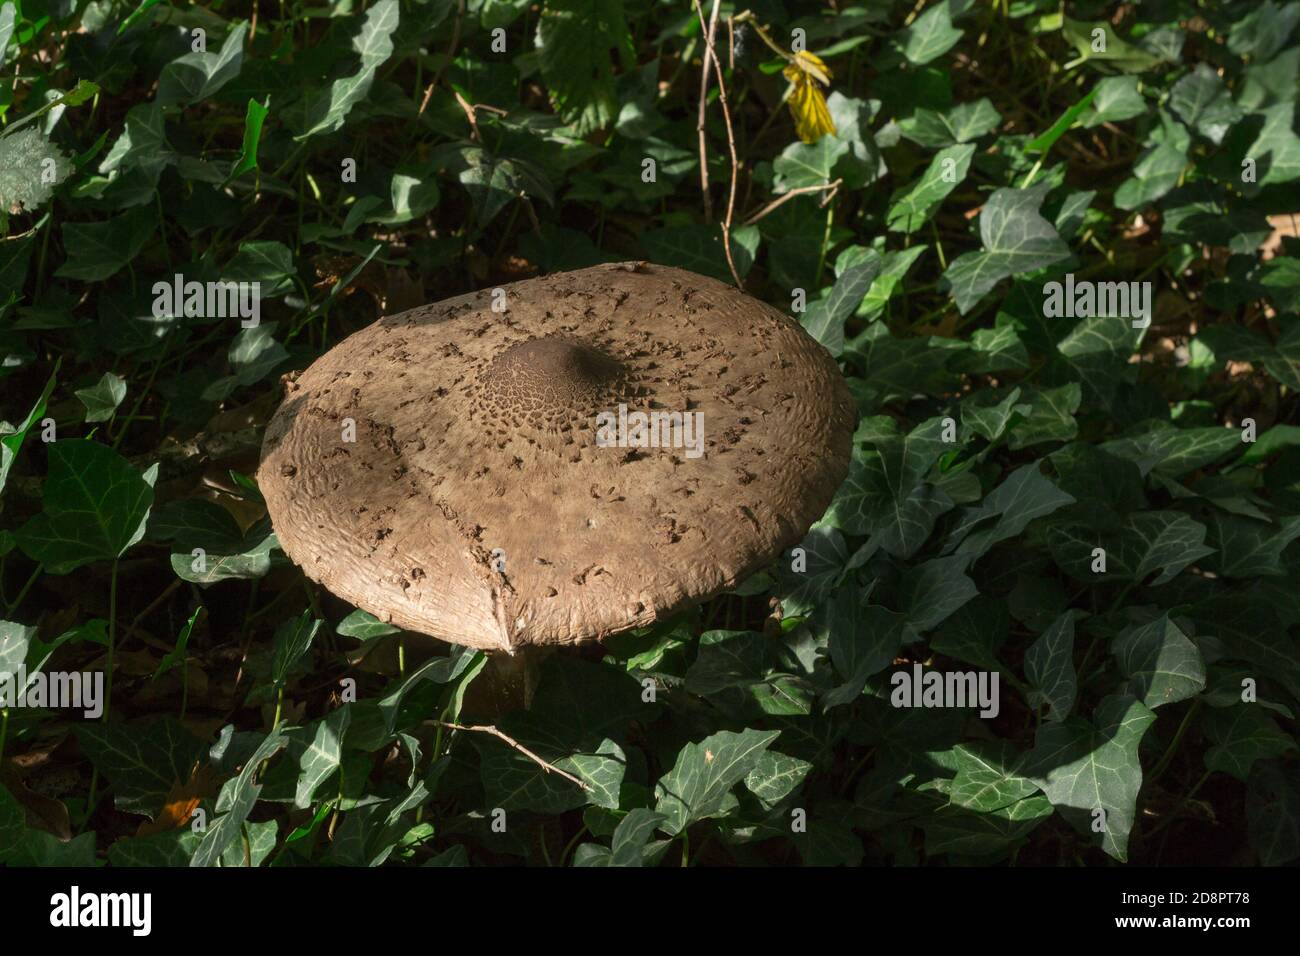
column 1173, row 744
column 26, row 587
column 112, row 638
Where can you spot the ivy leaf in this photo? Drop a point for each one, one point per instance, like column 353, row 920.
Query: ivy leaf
column 1050, row 416
column 327, row 111
column 699, row 249
column 963, row 123
column 12, row 437
column 101, row 400
column 1158, row 169
column 808, row 164
column 1264, row 30
column 884, row 494
column 974, row 632
column 237, row 799
column 95, row 505
column 169, row 848
column 1049, row 665
column 365, row 626
column 1240, row 735
column 1114, row 54
column 1025, row 495
column 7, row 16
column 1162, row 664
column 1273, row 813
column 824, row 555
column 97, row 250
column 1277, row 148
column 268, row 263
column 15, row 642
column 493, row 181
column 293, row 639
column 1173, row 451
column 1247, row 548
column 196, row 76
column 376, row 722
column 321, row 755
column 934, row 589
column 863, row 639
column 143, row 760
column 1201, row 101
column 989, row 777
column 143, row 144
column 574, row 39
column 1016, row 240
column 912, row 207
column 1087, row 766
column 1117, row 100
column 894, row 266
column 930, row 36
column 775, row 777
column 955, row 829
column 989, row 419
column 699, row 784
column 1149, row 541
column 825, row 318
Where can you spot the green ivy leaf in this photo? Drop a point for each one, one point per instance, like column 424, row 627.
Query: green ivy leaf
column 963, row 123
column 1241, row 735
column 326, row 111
column 95, row 505
column 143, row 760
column 1049, row 665
column 101, row 400
column 1016, row 240
column 930, row 36
column 1088, row 766
column 911, row 208
column 196, row 76
column 1162, row 664
column 237, row 799
column 699, row 785
column 97, row 250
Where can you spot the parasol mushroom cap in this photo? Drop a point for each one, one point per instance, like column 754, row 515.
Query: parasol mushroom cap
column 479, row 476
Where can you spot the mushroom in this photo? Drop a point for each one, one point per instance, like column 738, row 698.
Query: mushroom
column 476, row 469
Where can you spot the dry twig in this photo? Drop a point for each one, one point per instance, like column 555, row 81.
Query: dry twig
column 516, row 745
column 830, row 188
column 711, row 55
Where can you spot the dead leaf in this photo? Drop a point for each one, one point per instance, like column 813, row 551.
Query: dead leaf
column 181, row 802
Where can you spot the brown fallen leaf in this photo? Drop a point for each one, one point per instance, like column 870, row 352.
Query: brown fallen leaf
column 181, row 802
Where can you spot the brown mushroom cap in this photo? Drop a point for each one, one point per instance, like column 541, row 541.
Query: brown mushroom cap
column 476, row 430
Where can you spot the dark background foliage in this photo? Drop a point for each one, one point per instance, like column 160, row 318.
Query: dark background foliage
column 980, row 151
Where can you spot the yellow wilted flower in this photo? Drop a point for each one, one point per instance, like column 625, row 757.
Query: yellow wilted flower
column 812, row 119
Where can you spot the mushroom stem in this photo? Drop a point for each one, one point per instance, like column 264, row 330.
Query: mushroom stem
column 509, row 681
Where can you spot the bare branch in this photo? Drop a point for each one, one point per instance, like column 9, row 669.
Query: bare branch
column 514, row 744
column 731, row 136
column 830, row 188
